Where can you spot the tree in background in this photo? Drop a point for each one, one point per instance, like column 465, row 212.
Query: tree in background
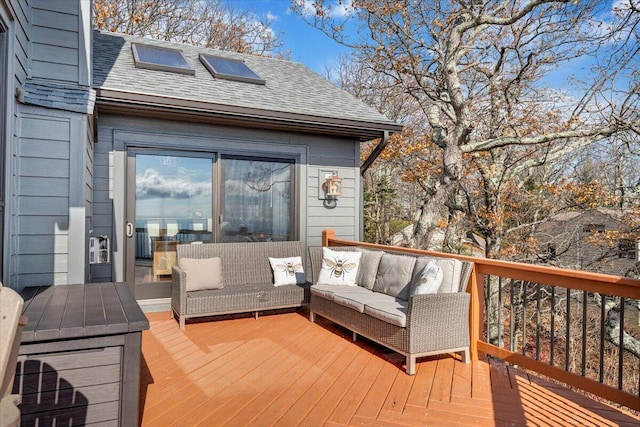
column 475, row 69
column 208, row 23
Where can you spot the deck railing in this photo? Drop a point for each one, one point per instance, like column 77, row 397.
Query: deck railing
column 572, row 326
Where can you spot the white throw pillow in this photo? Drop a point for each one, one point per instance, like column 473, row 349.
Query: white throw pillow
column 430, row 279
column 287, row 271
column 202, row 273
column 339, row 268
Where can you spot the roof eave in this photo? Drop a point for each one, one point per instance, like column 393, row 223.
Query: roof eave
column 113, row 100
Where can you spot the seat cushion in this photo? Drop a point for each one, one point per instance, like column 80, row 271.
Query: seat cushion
column 358, row 301
column 394, row 312
column 328, row 291
column 394, row 275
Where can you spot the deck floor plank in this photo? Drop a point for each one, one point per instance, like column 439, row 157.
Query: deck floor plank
column 282, row 370
column 233, row 399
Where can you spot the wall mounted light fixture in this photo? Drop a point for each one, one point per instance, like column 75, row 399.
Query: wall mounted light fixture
column 332, row 189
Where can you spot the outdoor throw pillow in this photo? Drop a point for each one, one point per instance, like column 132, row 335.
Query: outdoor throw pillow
column 339, row 268
column 202, row 273
column 429, row 281
column 287, row 271
column 451, row 272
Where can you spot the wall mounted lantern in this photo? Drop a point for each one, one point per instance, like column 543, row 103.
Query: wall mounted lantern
column 332, row 189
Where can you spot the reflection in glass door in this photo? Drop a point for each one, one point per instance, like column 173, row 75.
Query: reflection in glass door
column 256, row 199
column 173, row 204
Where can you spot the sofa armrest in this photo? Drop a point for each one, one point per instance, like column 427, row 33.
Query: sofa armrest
column 439, row 321
column 178, row 289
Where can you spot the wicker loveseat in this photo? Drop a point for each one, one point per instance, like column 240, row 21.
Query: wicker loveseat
column 412, row 325
column 247, row 277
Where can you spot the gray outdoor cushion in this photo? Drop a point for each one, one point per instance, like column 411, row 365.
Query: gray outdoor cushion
column 394, row 312
column 368, row 267
column 328, row 291
column 451, row 272
column 394, row 275
column 358, row 301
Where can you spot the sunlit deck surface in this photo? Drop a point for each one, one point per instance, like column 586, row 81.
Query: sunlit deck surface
column 283, row 370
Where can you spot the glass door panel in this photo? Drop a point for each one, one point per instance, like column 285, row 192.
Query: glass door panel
column 256, row 204
column 173, row 204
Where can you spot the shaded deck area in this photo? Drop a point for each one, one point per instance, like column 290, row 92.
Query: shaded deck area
column 284, row 370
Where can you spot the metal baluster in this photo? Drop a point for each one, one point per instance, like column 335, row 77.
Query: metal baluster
column 500, row 326
column 621, row 345
column 603, row 313
column 512, row 320
column 567, row 332
column 487, row 304
column 524, row 318
column 584, row 333
column 537, row 321
column 553, row 325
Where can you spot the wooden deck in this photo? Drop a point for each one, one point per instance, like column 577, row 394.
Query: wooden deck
column 283, row 370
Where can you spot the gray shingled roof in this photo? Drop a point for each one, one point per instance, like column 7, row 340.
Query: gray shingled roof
column 291, row 88
column 59, row 96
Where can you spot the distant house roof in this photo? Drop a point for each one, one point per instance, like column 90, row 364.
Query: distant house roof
column 614, row 213
column 293, row 96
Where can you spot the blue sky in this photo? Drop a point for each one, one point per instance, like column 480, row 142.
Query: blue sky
column 319, row 52
column 306, row 44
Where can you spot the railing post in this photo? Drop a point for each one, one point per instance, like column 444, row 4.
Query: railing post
column 476, row 285
column 327, row 234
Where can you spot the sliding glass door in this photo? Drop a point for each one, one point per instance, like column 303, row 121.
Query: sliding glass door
column 190, row 198
column 171, row 202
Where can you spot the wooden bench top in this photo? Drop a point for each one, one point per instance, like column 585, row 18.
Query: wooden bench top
column 79, row 311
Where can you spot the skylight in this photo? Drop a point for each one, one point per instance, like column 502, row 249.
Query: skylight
column 160, row 58
column 230, row 69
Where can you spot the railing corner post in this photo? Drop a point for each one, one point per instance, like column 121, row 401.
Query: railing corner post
column 327, row 234
column 475, row 313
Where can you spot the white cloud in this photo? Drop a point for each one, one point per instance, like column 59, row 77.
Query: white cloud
column 271, row 17
column 153, row 185
column 335, row 8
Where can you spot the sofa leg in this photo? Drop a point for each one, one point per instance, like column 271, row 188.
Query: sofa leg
column 312, row 316
column 182, row 323
column 256, row 315
column 411, row 365
column 171, row 313
column 466, row 357
column 355, row 336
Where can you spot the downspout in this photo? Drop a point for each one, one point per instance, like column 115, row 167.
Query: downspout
column 363, row 168
column 375, row 153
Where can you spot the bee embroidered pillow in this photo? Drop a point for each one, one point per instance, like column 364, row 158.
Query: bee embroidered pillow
column 339, row 268
column 287, row 271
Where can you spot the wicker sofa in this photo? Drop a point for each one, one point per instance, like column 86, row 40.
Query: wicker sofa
column 420, row 325
column 247, row 277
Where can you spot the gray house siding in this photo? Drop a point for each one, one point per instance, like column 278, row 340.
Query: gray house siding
column 48, row 218
column 20, row 12
column 48, row 150
column 58, row 45
column 313, row 154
